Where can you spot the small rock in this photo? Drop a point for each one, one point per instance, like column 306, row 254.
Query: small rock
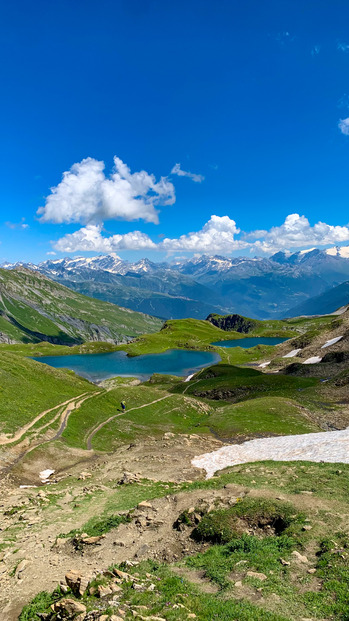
column 103, row 591
column 238, row 584
column 283, row 562
column 144, row 505
column 92, row 540
column 69, row 606
column 138, row 587
column 122, row 574
column 84, row 475
column 299, row 557
column 76, row 582
column 306, row 527
column 257, row 575
column 311, row 571
column 20, row 568
column 191, row 615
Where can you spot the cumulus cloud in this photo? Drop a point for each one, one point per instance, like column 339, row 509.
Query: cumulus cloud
column 344, row 126
column 177, row 170
column 296, row 232
column 86, row 195
column 90, row 239
column 216, row 236
column 220, row 235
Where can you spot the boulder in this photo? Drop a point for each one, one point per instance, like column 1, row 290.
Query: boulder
column 77, row 582
column 68, row 607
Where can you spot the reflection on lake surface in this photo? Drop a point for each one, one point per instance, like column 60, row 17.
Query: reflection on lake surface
column 246, row 343
column 97, row 367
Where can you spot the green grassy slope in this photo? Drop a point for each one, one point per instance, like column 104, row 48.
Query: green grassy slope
column 34, row 308
column 28, row 388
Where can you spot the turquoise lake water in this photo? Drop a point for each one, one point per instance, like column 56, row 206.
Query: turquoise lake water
column 250, row 342
column 97, row 367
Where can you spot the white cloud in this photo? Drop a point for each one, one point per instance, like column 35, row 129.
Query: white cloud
column 17, row 225
column 86, row 195
column 315, row 50
column 296, row 232
column 177, row 170
column 90, row 239
column 51, row 253
column 216, row 236
column 344, row 126
column 342, row 47
column 220, row 235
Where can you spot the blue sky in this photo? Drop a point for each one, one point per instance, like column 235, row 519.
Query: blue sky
column 252, row 97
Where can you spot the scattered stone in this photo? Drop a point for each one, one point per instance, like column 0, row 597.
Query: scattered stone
column 103, row 591
column 84, row 475
column 122, row 574
column 311, row 571
column 144, row 505
column 20, row 568
column 69, row 606
column 306, row 527
column 77, row 582
column 92, row 540
column 283, row 562
column 238, row 584
column 299, row 557
column 257, row 575
column 191, row 615
column 128, row 477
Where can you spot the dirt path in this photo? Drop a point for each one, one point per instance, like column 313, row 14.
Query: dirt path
column 20, row 433
column 93, row 433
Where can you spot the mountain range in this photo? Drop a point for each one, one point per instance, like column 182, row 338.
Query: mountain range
column 260, row 288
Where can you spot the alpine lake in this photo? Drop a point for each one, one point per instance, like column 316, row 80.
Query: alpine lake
column 180, row 362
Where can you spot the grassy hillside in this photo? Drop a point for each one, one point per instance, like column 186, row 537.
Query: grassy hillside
column 28, row 388
column 34, row 308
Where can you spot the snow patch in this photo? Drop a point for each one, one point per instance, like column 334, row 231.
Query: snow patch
column 45, row 475
column 264, row 364
column 312, row 360
column 292, row 353
column 329, row 446
column 332, row 342
column 187, row 379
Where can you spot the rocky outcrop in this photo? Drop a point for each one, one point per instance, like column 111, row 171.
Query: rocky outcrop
column 236, row 323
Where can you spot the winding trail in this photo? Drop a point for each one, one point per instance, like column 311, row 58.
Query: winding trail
column 101, row 425
column 20, row 433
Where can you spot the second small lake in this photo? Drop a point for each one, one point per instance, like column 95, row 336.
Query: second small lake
column 247, row 342
column 96, row 367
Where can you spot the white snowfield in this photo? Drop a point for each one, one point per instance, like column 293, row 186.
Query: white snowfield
column 329, row 446
column 332, row 342
column 312, row 360
column 292, row 353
